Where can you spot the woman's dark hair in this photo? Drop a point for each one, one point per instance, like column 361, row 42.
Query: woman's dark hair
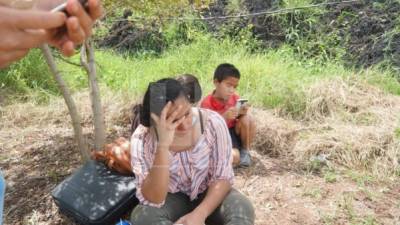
column 171, row 90
column 191, row 87
column 135, row 117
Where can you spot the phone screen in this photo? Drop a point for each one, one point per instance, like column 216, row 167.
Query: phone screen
column 240, row 103
column 157, row 98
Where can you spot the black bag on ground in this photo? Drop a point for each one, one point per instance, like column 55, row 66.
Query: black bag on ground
column 95, row 195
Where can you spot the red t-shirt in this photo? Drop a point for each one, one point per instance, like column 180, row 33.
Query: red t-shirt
column 214, row 104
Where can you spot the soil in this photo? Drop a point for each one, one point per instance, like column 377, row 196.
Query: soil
column 372, row 31
column 125, row 36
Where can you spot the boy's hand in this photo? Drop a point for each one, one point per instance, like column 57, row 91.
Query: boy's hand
column 231, row 113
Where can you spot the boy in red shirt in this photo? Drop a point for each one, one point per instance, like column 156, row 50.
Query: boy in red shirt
column 223, row 100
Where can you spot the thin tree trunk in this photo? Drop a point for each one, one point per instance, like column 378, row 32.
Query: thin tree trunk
column 73, row 112
column 88, row 62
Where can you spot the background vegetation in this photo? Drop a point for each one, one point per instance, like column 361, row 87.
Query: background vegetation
column 281, row 56
column 324, row 80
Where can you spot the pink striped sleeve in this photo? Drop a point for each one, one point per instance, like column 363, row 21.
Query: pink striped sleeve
column 221, row 156
column 141, row 161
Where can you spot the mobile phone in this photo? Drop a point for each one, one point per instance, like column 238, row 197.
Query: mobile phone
column 62, row 7
column 157, row 98
column 240, row 102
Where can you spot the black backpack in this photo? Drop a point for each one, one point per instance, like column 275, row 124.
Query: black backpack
column 96, row 195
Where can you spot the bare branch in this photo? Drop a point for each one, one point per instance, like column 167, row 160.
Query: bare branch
column 84, row 63
column 88, row 62
column 67, row 61
column 76, row 119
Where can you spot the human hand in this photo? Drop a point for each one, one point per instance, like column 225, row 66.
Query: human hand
column 165, row 125
column 244, row 109
column 22, row 30
column 192, row 218
column 231, row 113
column 78, row 24
column 25, row 29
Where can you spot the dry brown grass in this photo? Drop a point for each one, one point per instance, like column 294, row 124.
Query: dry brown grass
column 341, row 99
column 116, row 107
column 359, row 148
column 349, row 121
column 20, row 121
column 275, row 136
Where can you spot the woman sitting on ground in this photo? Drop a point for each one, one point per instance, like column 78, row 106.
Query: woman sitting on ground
column 182, row 162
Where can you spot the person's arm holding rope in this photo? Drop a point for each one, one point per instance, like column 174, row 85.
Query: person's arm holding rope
column 23, row 29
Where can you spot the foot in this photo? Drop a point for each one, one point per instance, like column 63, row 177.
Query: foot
column 236, row 157
column 245, row 159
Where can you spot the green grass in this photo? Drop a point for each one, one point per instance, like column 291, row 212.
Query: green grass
column 330, row 176
column 29, row 77
column 397, row 132
column 362, row 179
column 313, row 193
column 277, row 78
column 296, row 3
column 274, row 78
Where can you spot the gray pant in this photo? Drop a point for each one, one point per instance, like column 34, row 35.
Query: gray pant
column 236, row 209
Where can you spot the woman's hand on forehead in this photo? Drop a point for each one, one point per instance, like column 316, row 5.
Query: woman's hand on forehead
column 165, row 125
column 184, row 110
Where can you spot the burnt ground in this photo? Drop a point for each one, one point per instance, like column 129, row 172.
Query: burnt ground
column 367, row 30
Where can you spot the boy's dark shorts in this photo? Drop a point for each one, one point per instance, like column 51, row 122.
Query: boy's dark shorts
column 236, row 142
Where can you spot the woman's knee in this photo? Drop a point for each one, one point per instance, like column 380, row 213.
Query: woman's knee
column 143, row 214
column 238, row 209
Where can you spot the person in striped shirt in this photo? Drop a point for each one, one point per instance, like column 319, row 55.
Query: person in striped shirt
column 181, row 158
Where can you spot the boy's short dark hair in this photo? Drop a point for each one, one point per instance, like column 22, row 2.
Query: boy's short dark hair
column 226, row 70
